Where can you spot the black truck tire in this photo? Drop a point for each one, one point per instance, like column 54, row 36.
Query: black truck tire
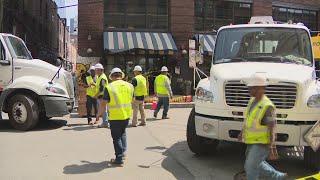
column 311, row 158
column 197, row 144
column 23, row 112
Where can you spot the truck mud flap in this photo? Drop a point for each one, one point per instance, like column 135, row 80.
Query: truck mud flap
column 3, row 96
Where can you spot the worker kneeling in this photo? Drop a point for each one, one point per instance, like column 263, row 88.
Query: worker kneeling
column 258, row 131
column 118, row 96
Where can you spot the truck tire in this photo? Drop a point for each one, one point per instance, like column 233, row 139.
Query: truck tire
column 311, row 158
column 197, row 144
column 23, row 112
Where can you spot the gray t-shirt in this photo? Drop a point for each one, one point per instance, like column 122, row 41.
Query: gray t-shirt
column 269, row 116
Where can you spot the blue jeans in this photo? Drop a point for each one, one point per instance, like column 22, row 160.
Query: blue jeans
column 118, row 133
column 163, row 101
column 105, row 114
column 256, row 165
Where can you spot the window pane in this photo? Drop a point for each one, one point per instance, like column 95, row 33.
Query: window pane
column 136, row 21
column 114, row 20
column 136, row 6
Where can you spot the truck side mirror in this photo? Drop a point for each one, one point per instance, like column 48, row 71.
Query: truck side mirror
column 3, row 56
column 5, row 62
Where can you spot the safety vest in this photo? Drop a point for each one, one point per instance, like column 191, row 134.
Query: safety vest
column 141, row 88
column 91, row 90
column 254, row 132
column 160, row 84
column 121, row 94
column 99, row 78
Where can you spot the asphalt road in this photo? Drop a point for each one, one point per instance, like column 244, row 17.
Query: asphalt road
column 67, row 148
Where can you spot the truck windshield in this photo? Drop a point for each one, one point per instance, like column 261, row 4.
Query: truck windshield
column 17, row 48
column 279, row 45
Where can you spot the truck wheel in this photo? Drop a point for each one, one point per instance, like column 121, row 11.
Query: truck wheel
column 311, row 158
column 197, row 144
column 23, row 112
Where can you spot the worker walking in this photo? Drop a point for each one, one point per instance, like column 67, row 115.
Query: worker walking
column 258, row 131
column 90, row 85
column 140, row 91
column 162, row 89
column 102, row 82
column 118, row 96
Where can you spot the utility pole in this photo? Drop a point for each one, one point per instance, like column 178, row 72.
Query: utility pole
column 1, row 15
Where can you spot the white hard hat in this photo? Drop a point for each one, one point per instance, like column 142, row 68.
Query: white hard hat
column 116, row 70
column 98, row 66
column 257, row 79
column 92, row 68
column 137, row 68
column 164, row 69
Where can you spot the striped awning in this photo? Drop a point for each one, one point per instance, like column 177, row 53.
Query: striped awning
column 117, row 42
column 208, row 41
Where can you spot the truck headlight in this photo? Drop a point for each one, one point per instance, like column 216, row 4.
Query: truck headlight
column 204, row 95
column 56, row 90
column 314, row 101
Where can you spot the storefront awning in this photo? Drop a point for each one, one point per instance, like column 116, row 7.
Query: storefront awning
column 116, row 42
column 208, row 41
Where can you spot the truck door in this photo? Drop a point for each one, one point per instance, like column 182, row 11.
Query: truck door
column 5, row 66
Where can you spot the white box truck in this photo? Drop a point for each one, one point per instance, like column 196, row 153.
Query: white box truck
column 31, row 89
column 284, row 53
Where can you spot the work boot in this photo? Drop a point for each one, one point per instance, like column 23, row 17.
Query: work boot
column 165, row 117
column 155, row 115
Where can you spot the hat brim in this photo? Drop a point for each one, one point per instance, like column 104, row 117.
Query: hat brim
column 123, row 75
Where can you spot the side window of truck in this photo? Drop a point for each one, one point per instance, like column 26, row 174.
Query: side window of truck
column 2, row 52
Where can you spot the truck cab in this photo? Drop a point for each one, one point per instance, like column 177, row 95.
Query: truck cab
column 283, row 52
column 31, row 89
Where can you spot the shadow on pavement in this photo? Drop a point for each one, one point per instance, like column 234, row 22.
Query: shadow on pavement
column 81, row 128
column 228, row 161
column 42, row 126
column 169, row 163
column 86, row 167
column 153, row 119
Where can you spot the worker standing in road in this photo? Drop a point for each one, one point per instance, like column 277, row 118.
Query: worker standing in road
column 258, row 131
column 102, row 82
column 90, row 85
column 118, row 96
column 162, row 89
column 140, row 91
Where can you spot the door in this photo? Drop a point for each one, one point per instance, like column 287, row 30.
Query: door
column 5, row 66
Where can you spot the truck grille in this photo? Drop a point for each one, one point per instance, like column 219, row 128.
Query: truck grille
column 282, row 95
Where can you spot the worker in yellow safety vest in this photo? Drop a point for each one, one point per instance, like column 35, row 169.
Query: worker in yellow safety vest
column 90, row 85
column 102, row 82
column 162, row 89
column 258, row 131
column 140, row 91
column 118, row 97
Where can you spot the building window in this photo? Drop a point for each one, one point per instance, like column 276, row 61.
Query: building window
column 307, row 17
column 136, row 14
column 212, row 14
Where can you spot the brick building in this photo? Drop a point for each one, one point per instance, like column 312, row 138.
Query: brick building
column 37, row 23
column 106, row 29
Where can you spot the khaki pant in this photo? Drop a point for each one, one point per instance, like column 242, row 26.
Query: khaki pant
column 138, row 105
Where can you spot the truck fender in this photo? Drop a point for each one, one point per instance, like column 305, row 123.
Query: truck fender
column 33, row 83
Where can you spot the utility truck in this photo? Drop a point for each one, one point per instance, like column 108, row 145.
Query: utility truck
column 31, row 89
column 284, row 53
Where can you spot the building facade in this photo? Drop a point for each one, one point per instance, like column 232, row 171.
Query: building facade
column 37, row 23
column 106, row 29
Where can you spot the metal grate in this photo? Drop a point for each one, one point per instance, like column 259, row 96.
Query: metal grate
column 283, row 95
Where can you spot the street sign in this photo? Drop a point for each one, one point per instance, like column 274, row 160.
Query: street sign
column 313, row 137
column 316, row 46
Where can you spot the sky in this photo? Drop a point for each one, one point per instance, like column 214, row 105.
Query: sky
column 70, row 12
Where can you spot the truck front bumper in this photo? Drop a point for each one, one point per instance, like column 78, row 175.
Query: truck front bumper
column 222, row 129
column 57, row 106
